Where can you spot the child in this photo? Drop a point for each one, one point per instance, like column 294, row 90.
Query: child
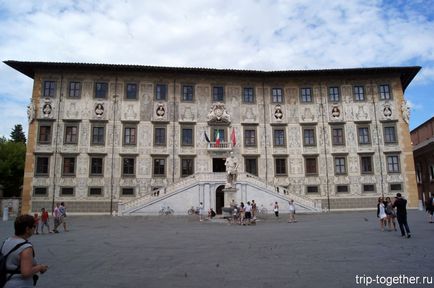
column 36, row 217
column 44, row 220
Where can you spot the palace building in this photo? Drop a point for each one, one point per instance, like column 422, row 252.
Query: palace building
column 133, row 140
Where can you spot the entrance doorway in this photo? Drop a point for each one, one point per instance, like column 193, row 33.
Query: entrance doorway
column 219, row 199
column 218, row 165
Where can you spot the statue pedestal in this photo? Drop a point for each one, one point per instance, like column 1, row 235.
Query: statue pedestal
column 233, row 190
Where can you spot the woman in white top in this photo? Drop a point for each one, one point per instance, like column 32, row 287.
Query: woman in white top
column 291, row 212
column 382, row 213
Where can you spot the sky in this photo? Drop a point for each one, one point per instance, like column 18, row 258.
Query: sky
column 243, row 34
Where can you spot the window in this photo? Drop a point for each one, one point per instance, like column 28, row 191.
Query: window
column 280, row 166
column 277, row 95
column 389, row 134
column 342, row 189
column 44, row 135
column 161, row 92
column 370, row 188
column 187, row 93
column 160, row 136
column 220, row 133
column 311, row 166
column 131, row 91
column 251, row 166
column 363, row 135
column 218, row 94
column 418, row 173
column 248, row 95
column 67, row 191
column 306, row 95
column 187, row 136
column 340, row 165
column 95, row 191
column 127, row 191
column 101, row 90
column 128, row 166
column 249, row 137
column 96, row 166
column 68, row 166
column 385, row 92
column 312, row 189
column 49, row 88
column 359, row 93
column 71, row 134
column 40, row 191
column 309, row 137
column 279, row 137
column 334, row 94
column 74, row 89
column 431, row 172
column 187, row 167
column 394, row 187
column 98, row 134
column 366, row 164
column 42, row 165
column 159, row 167
column 130, row 135
column 338, row 136
column 393, row 164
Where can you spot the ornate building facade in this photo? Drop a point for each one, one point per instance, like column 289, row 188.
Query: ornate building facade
column 132, row 139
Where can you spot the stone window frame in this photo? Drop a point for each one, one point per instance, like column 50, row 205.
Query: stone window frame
column 249, row 98
column 396, row 190
column 158, row 92
column 74, row 89
column 91, row 158
column 124, row 173
column 385, row 92
column 308, row 128
column 101, row 90
column 393, row 163
column 334, row 94
column 218, row 93
column 309, row 158
column 49, row 88
column 101, row 194
column 98, row 125
column 223, row 137
column 306, row 97
column 284, row 160
column 37, row 166
column 132, row 139
column 123, row 189
column 247, row 166
column 279, row 97
column 68, row 137
column 359, row 136
column 337, row 167
column 186, row 95
column 253, row 143
column 191, row 159
column 183, row 128
column 34, row 194
column 371, row 164
column 387, row 136
column 64, row 165
column 62, row 191
column 337, row 140
column 278, row 143
column 364, row 186
column 357, row 93
column 338, row 186
column 154, row 166
column 159, row 142
column 50, row 134
column 312, row 186
column 129, row 95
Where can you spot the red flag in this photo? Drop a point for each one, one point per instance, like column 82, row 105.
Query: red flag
column 233, row 138
column 217, row 138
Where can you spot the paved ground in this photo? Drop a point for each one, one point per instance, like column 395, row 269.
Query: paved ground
column 324, row 250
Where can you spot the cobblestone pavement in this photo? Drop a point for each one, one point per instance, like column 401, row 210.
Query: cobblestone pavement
column 321, row 250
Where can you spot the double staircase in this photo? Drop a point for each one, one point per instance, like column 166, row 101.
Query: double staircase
column 189, row 184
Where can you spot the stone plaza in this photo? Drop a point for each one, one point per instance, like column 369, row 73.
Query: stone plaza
column 320, row 250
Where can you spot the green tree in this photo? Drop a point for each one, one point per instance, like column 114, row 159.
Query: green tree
column 12, row 159
column 17, row 134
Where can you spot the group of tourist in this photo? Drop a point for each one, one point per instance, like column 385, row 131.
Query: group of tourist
column 59, row 215
column 387, row 214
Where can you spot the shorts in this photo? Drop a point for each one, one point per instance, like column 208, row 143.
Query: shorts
column 248, row 215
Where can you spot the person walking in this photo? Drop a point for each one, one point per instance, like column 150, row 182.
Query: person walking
column 36, row 217
column 401, row 213
column 44, row 221
column 201, row 211
column 21, row 264
column 276, row 209
column 391, row 214
column 291, row 218
column 381, row 208
column 57, row 218
column 62, row 210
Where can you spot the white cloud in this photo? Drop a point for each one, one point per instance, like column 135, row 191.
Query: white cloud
column 263, row 34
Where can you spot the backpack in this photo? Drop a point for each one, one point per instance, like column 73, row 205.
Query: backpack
column 3, row 259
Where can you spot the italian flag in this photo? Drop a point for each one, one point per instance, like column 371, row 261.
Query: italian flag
column 217, row 138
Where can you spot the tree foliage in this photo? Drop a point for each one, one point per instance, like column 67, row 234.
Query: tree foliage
column 12, row 159
column 17, row 134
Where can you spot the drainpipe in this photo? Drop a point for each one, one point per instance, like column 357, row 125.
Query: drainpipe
column 265, row 136
column 115, row 101
column 325, row 146
column 56, row 141
column 173, row 130
column 378, row 142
